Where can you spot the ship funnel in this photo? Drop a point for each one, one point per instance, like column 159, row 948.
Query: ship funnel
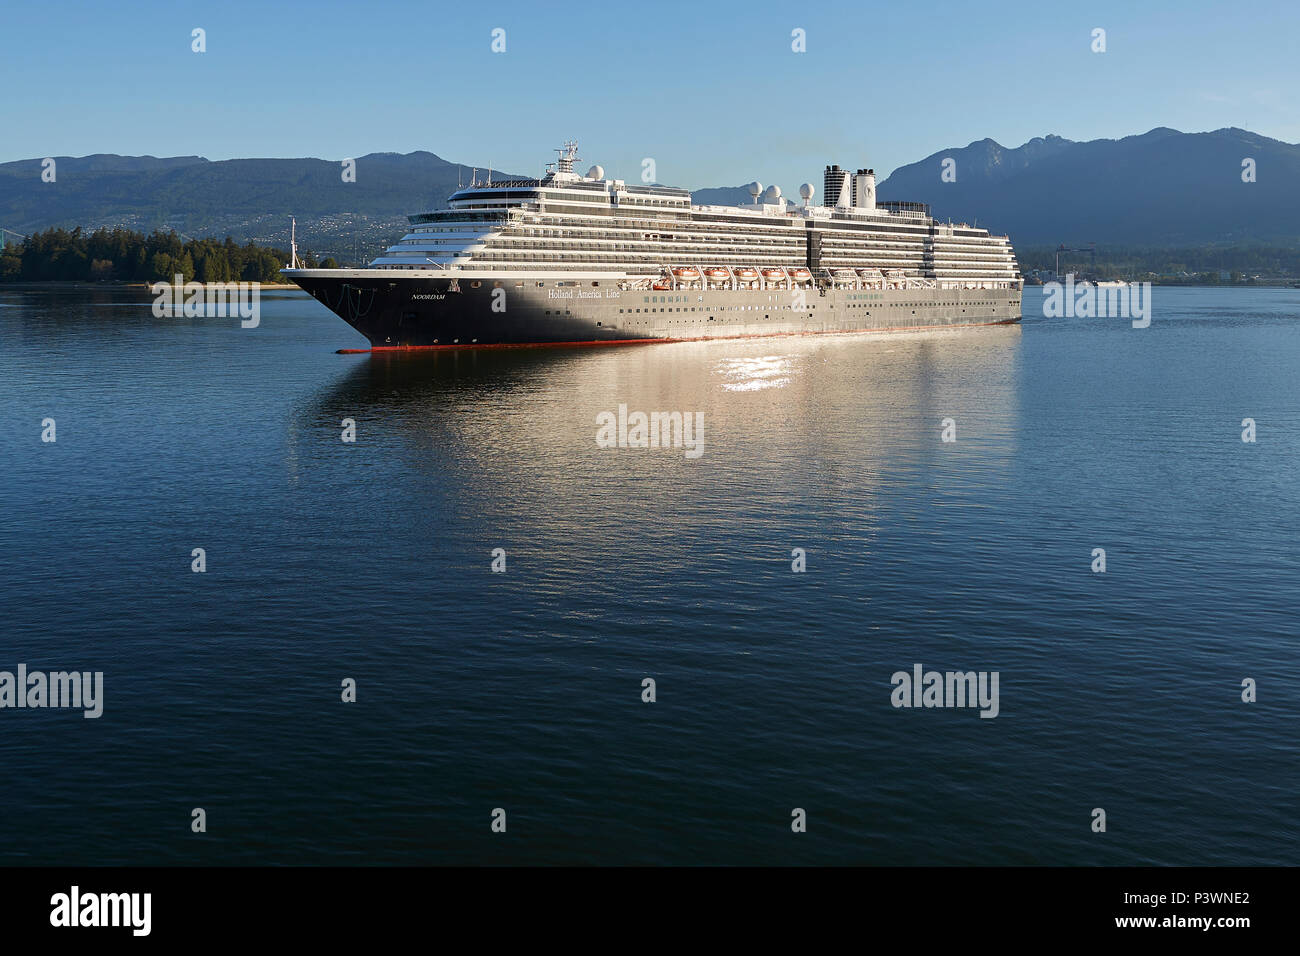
column 864, row 190
column 836, row 187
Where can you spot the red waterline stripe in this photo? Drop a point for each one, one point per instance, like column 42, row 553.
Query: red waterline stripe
column 657, row 341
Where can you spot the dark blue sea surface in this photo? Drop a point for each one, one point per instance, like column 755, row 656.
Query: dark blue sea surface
column 523, row 690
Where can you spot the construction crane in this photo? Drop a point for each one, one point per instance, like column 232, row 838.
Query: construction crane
column 1090, row 251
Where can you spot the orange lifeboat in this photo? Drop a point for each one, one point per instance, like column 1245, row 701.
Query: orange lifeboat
column 716, row 273
column 662, row 286
column 686, row 272
column 746, row 273
column 800, row 274
column 773, row 274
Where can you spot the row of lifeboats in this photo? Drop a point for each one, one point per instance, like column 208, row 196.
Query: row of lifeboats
column 875, row 279
column 741, row 276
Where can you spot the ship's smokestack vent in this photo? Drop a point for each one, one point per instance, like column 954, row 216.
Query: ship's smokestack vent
column 864, row 190
column 836, row 189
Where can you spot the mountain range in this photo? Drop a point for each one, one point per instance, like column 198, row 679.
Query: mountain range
column 1160, row 188
column 243, row 198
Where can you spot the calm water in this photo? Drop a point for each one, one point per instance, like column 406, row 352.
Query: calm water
column 522, row 690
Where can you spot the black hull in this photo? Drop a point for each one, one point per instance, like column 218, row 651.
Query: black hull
column 406, row 312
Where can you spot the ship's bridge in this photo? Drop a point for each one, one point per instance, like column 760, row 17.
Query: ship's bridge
column 446, row 237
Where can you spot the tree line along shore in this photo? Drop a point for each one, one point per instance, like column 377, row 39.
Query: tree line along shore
column 121, row 255
column 1229, row 263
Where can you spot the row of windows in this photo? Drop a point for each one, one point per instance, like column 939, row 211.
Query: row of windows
column 567, row 222
column 1001, row 252
column 973, row 269
column 646, row 259
column 515, row 238
column 913, row 248
column 583, row 240
column 661, row 246
column 457, row 216
column 786, row 308
column 709, row 219
column 725, row 308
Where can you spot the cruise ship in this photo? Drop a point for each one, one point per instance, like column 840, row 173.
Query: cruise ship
column 572, row 259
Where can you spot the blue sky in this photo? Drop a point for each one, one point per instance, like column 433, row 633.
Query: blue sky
column 711, row 90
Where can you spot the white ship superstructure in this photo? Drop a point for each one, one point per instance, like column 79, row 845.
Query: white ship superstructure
column 590, row 224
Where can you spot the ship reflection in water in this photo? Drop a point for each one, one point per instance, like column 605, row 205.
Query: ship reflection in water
column 789, row 397
column 511, row 434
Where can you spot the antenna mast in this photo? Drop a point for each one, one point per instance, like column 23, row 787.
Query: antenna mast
column 568, row 156
column 293, row 243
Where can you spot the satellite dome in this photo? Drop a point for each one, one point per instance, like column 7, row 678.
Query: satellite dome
column 772, row 195
column 806, row 191
column 755, row 188
column 596, row 172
